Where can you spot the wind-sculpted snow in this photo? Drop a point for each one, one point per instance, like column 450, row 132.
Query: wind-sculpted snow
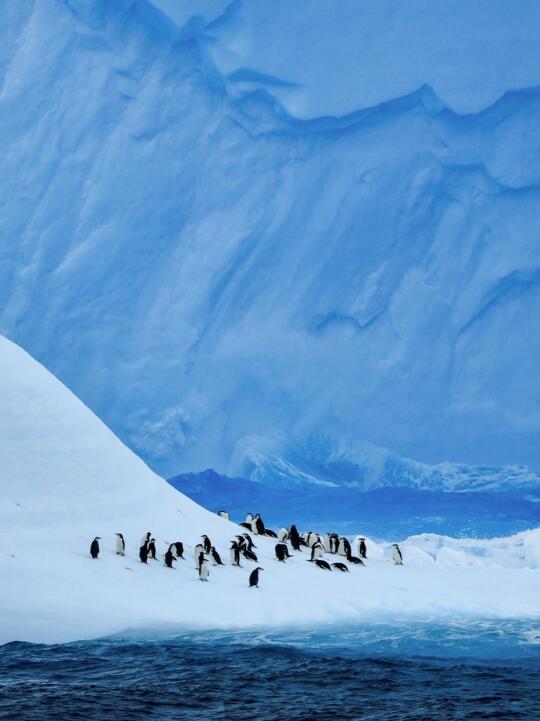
column 204, row 249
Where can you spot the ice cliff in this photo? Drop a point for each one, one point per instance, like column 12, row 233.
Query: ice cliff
column 293, row 221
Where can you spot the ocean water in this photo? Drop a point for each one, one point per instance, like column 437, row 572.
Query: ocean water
column 380, row 671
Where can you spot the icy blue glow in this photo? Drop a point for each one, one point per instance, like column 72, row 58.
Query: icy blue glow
column 241, row 221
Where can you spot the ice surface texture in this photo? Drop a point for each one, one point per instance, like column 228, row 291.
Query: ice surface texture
column 255, row 218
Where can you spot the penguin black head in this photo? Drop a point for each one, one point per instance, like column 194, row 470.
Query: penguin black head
column 97, row 538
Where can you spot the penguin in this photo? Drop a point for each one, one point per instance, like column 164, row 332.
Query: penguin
column 246, row 525
column 355, row 560
column 152, row 549
column 362, row 549
column 169, row 556
column 200, row 560
column 179, row 549
column 203, row 569
column 207, row 544
column 254, row 577
column 283, row 535
column 341, row 567
column 259, row 525
column 334, row 543
column 271, row 534
column 120, row 545
column 397, row 555
column 347, row 547
column 316, row 551
column 224, row 515
column 323, row 564
column 94, row 547
column 235, row 554
column 197, row 552
column 294, row 537
column 146, row 538
column 249, row 555
column 249, row 518
column 216, row 558
column 281, row 549
column 143, row 552
column 327, row 544
column 249, row 541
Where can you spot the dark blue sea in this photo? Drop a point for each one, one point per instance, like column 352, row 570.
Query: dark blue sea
column 384, row 672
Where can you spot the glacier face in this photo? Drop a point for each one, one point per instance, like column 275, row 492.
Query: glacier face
column 214, row 229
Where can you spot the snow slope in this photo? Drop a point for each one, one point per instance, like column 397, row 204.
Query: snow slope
column 291, row 220
column 64, row 478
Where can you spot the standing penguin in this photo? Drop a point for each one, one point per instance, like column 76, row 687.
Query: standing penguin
column 235, row 554
column 397, row 555
column 203, row 569
column 169, row 556
column 316, row 551
column 179, row 549
column 120, row 545
column 254, row 577
column 281, row 552
column 216, row 558
column 362, row 550
column 94, row 547
column 146, row 538
column 294, row 537
column 249, row 518
column 259, row 525
column 283, row 534
column 197, row 552
column 207, row 544
column 143, row 552
column 152, row 549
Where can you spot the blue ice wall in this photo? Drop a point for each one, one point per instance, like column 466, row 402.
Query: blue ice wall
column 278, row 221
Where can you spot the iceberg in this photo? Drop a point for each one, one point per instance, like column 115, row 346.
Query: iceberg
column 210, row 238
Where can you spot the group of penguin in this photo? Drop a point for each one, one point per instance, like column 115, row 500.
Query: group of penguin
column 329, row 543
column 243, row 545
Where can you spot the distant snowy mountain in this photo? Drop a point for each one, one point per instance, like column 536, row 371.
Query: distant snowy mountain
column 384, row 512
column 366, row 467
column 281, row 219
column 65, row 478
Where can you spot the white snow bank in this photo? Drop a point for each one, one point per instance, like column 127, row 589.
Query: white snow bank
column 65, row 478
